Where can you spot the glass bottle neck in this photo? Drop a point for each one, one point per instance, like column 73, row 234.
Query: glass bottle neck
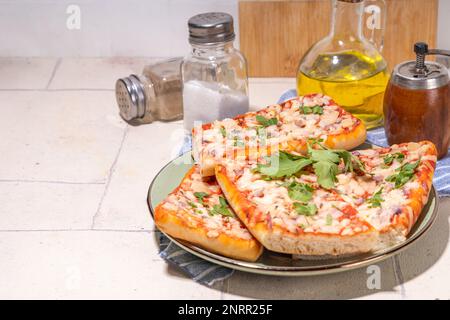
column 347, row 19
column 212, row 50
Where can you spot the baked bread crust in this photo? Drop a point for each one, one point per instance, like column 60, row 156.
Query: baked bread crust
column 379, row 232
column 417, row 197
column 281, row 240
column 338, row 128
column 180, row 222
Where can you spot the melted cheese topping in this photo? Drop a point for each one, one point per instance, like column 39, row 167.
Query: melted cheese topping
column 196, row 214
column 231, row 135
column 394, row 200
column 345, row 210
column 273, row 201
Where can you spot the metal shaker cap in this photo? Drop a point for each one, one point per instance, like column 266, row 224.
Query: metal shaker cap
column 211, row 27
column 130, row 98
column 405, row 75
column 352, row 1
column 421, row 74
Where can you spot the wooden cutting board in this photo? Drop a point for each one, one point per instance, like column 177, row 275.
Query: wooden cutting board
column 274, row 35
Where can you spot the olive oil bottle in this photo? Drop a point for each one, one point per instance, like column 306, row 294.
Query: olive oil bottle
column 356, row 83
column 346, row 66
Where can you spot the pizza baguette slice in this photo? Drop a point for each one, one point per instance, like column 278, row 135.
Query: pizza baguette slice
column 403, row 174
column 285, row 127
column 331, row 202
column 197, row 212
column 282, row 225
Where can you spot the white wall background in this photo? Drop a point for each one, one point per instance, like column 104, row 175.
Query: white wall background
column 444, row 24
column 156, row 28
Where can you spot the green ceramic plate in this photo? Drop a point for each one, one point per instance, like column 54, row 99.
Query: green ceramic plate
column 276, row 263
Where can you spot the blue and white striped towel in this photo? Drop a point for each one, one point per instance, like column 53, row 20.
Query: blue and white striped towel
column 198, row 269
column 208, row 273
column 377, row 136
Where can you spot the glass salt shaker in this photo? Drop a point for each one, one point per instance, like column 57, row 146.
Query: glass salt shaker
column 214, row 74
column 154, row 95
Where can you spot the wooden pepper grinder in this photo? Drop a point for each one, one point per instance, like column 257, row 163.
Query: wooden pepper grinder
column 417, row 101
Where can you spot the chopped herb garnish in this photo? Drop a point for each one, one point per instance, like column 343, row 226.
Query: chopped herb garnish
column 389, row 159
column 308, row 209
column 266, row 122
column 193, row 205
column 200, row 196
column 260, row 131
column 325, row 163
column 376, row 200
column 347, row 157
column 360, row 165
column 287, row 165
column 222, row 209
column 223, row 132
column 300, row 191
column 303, row 193
column 223, row 202
column 324, row 155
column 238, row 143
column 329, row 220
column 326, row 172
column 311, row 110
column 405, row 173
column 317, row 141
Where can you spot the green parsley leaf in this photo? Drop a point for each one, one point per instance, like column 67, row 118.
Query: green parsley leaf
column 260, row 131
column 315, row 141
column 311, row 110
column 389, row 159
column 326, row 172
column 266, row 122
column 376, row 200
column 300, row 191
column 222, row 209
column 326, row 163
column 223, row 132
column 223, row 202
column 405, row 173
column 409, row 167
column 324, row 155
column 284, row 165
column 308, row 209
column 193, row 205
column 238, row 143
column 200, row 196
column 360, row 165
column 329, row 220
column 347, row 157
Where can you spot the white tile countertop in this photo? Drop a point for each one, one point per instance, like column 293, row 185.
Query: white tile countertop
column 73, row 216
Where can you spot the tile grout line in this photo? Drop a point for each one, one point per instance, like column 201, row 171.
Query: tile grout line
column 58, row 90
column 399, row 276
column 55, row 68
column 224, row 289
column 110, row 174
column 51, row 181
column 77, row 230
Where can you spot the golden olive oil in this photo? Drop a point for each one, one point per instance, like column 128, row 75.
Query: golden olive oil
column 355, row 81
